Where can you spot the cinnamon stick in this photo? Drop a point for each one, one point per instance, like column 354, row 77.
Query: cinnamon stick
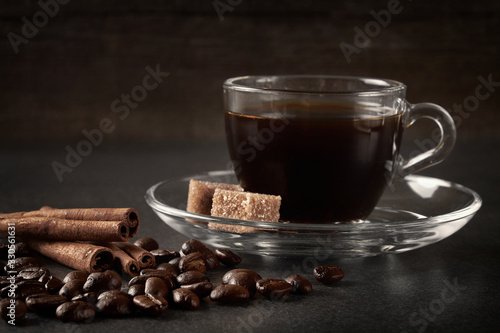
column 79, row 256
column 128, row 264
column 143, row 257
column 63, row 229
column 128, row 215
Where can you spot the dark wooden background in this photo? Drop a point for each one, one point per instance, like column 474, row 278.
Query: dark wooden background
column 91, row 52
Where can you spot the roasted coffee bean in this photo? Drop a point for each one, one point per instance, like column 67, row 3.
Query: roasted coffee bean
column 151, row 305
column 76, row 311
column 194, row 245
column 242, row 277
column 328, row 274
column 102, row 281
column 156, row 272
column 230, row 274
column 193, row 262
column 90, row 297
column 2, row 267
column 135, row 290
column 80, row 275
column 45, row 304
column 29, row 287
column 191, row 277
column 33, row 273
column 147, row 243
column 185, row 299
column 21, row 263
column 169, row 279
column 273, row 289
column 11, row 309
column 45, row 278
column 114, row 303
column 156, row 286
column 300, row 284
column 72, row 288
column 229, row 293
column 8, row 282
column 164, row 255
column 202, row 289
column 53, row 284
column 112, row 293
column 227, row 257
column 168, row 268
column 175, row 262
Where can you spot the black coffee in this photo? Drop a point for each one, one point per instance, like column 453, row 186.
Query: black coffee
column 326, row 161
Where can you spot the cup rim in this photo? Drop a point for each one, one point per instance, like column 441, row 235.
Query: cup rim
column 392, row 86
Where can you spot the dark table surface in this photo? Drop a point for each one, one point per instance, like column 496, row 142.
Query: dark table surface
column 450, row 286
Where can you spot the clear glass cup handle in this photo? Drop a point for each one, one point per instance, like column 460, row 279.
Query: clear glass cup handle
column 447, row 140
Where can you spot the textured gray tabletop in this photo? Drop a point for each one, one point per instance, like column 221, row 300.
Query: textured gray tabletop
column 450, row 286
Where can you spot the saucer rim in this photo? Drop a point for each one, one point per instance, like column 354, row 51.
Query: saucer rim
column 468, row 210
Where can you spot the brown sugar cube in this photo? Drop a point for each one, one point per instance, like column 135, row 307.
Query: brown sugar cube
column 201, row 194
column 246, row 206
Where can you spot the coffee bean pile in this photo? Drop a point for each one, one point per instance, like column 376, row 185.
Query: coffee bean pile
column 179, row 280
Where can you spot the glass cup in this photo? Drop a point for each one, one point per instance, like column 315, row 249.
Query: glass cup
column 328, row 145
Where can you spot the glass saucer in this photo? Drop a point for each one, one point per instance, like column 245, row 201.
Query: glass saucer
column 415, row 212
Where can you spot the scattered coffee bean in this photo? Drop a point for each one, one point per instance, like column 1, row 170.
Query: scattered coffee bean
column 194, row 245
column 202, row 289
column 75, row 311
column 29, row 287
column 147, row 243
column 135, row 290
column 168, row 268
column 193, row 262
column 164, row 255
column 45, row 304
column 33, row 273
column 151, row 305
column 185, row 299
column 156, row 286
column 21, row 263
column 242, row 277
column 191, row 277
column 273, row 289
column 80, row 275
column 18, row 312
column 169, row 279
column 45, row 278
column 229, row 293
column 328, row 274
column 157, row 272
column 114, row 303
column 141, row 279
column 300, row 284
column 227, row 257
column 53, row 284
column 112, row 293
column 72, row 288
column 175, row 262
column 102, row 281
column 90, row 297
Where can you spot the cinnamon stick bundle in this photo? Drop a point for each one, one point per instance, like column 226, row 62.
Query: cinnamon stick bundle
column 143, row 257
column 62, row 229
column 86, row 224
column 127, row 264
column 129, row 215
column 79, row 256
